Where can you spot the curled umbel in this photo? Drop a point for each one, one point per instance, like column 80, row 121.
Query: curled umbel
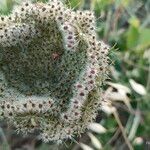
column 52, row 68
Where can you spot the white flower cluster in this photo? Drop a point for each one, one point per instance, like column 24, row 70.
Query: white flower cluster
column 52, row 69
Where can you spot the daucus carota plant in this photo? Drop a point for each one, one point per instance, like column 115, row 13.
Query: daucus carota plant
column 52, row 68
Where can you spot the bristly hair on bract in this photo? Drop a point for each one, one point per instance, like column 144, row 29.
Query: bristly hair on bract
column 52, row 68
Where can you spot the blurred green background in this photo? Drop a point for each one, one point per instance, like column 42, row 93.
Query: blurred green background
column 125, row 26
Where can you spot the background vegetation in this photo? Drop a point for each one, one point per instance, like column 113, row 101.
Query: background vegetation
column 125, row 26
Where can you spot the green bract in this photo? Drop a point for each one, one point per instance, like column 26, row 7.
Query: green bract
column 52, row 68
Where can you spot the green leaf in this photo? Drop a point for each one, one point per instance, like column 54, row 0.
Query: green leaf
column 99, row 5
column 3, row 6
column 144, row 39
column 133, row 33
column 132, row 37
column 75, row 3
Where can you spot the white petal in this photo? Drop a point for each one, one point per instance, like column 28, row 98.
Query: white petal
column 85, row 147
column 138, row 141
column 138, row 88
column 107, row 108
column 119, row 87
column 96, row 127
column 96, row 143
